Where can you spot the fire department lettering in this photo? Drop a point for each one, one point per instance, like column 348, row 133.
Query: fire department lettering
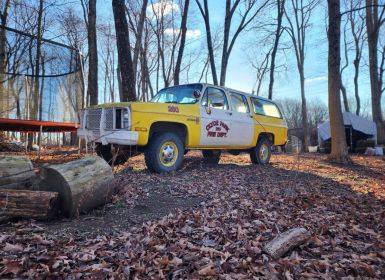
column 217, row 129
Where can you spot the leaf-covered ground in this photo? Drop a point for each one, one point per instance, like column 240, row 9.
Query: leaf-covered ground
column 231, row 211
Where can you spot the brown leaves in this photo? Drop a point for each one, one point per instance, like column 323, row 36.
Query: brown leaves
column 245, row 206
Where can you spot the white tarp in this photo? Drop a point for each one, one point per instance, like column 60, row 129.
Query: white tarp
column 357, row 122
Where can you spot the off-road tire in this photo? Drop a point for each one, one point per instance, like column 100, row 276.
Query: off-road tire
column 211, row 156
column 153, row 152
column 105, row 152
column 255, row 153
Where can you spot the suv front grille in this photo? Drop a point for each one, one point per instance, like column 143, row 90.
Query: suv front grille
column 93, row 118
column 109, row 113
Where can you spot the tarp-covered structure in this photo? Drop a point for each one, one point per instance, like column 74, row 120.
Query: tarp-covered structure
column 356, row 128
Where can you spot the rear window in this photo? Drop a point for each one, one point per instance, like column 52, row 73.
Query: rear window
column 266, row 108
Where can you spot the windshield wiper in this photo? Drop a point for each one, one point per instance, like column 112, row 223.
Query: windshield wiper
column 171, row 102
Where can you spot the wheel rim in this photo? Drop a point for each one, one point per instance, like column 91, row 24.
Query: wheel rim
column 264, row 152
column 168, row 153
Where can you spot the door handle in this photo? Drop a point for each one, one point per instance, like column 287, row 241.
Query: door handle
column 229, row 113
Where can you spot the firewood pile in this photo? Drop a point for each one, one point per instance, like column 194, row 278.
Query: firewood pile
column 67, row 189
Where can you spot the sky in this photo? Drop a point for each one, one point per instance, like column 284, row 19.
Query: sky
column 242, row 76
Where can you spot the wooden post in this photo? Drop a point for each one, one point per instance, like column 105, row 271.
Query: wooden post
column 40, row 134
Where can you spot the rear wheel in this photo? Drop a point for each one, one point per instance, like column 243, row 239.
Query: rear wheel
column 164, row 152
column 261, row 153
column 211, row 156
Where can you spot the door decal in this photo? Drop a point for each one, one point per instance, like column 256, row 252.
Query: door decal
column 217, row 129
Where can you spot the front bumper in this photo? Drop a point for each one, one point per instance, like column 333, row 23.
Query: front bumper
column 121, row 137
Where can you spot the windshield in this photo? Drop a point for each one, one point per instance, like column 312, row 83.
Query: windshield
column 178, row 94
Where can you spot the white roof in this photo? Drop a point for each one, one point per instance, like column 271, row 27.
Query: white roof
column 358, row 123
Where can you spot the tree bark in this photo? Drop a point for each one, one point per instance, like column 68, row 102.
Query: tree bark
column 92, row 90
column 286, row 241
column 373, row 27
column 124, row 51
column 16, row 172
column 339, row 152
column 139, row 35
column 82, row 184
column 183, row 29
column 28, row 204
column 305, row 119
column 3, row 61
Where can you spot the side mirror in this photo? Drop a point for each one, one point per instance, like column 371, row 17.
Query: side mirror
column 197, row 94
column 217, row 103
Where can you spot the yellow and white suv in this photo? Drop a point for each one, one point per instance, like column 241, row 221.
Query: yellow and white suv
column 186, row 117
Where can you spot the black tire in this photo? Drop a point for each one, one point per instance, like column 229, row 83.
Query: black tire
column 261, row 153
column 211, row 156
column 155, row 158
column 105, row 152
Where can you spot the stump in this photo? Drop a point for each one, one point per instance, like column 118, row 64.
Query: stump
column 16, row 172
column 28, row 204
column 286, row 241
column 82, row 184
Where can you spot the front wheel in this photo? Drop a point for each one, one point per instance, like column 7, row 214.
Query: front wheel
column 261, row 153
column 164, row 153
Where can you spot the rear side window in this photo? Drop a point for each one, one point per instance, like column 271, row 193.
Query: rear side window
column 266, row 108
column 239, row 103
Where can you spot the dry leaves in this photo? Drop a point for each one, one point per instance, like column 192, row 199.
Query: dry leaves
column 245, row 207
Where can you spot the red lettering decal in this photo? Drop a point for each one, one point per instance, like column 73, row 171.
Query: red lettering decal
column 173, row 109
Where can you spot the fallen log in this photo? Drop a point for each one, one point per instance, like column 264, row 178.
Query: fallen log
column 286, row 241
column 82, row 184
column 28, row 204
column 16, row 172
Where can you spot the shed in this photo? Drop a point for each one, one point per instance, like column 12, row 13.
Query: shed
column 356, row 128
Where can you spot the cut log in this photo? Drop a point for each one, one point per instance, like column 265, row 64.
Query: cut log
column 82, row 184
column 286, row 241
column 28, row 204
column 16, row 172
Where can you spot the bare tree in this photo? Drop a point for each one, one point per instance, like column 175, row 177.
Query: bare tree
column 183, row 30
column 89, row 11
column 357, row 27
column 262, row 68
column 248, row 12
column 127, row 73
column 3, row 63
column 299, row 24
column 374, row 21
column 339, row 151
column 280, row 4
column 346, row 55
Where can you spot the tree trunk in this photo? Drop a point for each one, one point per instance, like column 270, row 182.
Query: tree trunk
column 124, row 51
column 183, row 28
column 82, row 184
column 305, row 120
column 345, row 97
column 373, row 27
column 139, row 35
column 278, row 32
column 16, row 172
column 92, row 90
column 339, row 152
column 3, row 61
column 28, row 204
column 206, row 17
column 286, row 241
column 356, row 94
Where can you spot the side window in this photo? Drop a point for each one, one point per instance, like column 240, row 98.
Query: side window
column 215, row 98
column 239, row 103
column 264, row 107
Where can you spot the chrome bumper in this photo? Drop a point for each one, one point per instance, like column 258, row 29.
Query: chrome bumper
column 121, row 137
